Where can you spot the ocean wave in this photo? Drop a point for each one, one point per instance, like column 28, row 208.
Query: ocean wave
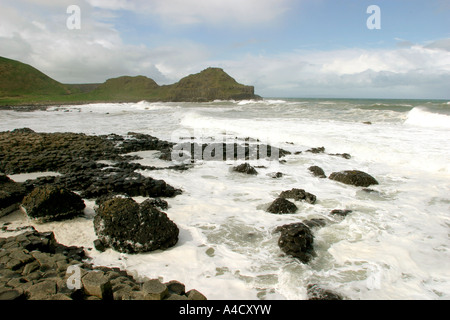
column 420, row 116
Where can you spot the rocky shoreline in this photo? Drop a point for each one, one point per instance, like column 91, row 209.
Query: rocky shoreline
column 34, row 266
column 100, row 168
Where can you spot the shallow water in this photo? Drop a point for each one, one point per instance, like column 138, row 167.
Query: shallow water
column 394, row 244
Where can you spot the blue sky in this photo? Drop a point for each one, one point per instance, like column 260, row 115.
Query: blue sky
column 285, row 48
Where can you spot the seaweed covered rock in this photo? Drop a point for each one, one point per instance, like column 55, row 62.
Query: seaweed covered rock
column 281, row 205
column 354, row 177
column 296, row 240
column 129, row 227
column 51, row 203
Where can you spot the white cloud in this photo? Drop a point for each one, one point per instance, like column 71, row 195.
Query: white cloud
column 97, row 52
column 415, row 72
column 182, row 12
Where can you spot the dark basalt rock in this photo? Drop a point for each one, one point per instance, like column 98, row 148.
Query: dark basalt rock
column 50, row 203
column 296, row 240
column 11, row 194
column 34, row 266
column 245, row 168
column 128, row 227
column 315, row 292
column 317, row 171
column 354, row 177
column 281, row 206
column 340, row 212
column 316, row 150
column 298, row 195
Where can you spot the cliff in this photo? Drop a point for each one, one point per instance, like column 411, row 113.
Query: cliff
column 21, row 84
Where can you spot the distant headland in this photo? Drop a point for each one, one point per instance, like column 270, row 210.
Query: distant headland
column 22, row 84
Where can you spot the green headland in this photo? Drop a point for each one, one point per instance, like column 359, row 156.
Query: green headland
column 22, row 84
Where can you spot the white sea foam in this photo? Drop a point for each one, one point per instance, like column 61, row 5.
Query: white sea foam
column 420, row 116
column 394, row 245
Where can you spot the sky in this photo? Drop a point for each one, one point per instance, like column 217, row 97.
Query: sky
column 285, row 48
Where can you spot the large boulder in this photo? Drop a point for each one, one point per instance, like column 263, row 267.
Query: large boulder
column 354, row 177
column 11, row 194
column 51, row 203
column 298, row 195
column 129, row 227
column 296, row 240
column 281, row 205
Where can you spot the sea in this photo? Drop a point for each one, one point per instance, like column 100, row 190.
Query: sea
column 393, row 245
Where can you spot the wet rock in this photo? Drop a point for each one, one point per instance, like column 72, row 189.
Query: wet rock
column 316, row 150
column 296, row 240
column 315, row 292
column 342, row 155
column 354, row 177
column 275, row 175
column 154, row 290
column 298, row 195
column 315, row 223
column 128, row 227
column 317, row 171
column 43, row 274
column 245, row 168
column 282, row 206
column 340, row 212
column 51, row 203
column 96, row 284
column 11, row 194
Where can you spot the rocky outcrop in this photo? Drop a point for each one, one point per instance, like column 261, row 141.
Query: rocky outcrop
column 129, row 227
column 34, row 266
column 296, row 240
column 51, row 203
column 354, row 177
column 282, row 206
column 298, row 195
column 208, row 85
column 76, row 157
column 11, row 194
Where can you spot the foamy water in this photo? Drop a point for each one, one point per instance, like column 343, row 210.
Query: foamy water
column 394, row 245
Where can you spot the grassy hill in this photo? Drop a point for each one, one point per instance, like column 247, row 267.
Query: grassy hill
column 21, row 84
column 19, row 79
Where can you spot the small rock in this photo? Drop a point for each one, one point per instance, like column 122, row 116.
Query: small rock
column 317, row 171
column 154, row 290
column 296, row 240
column 176, row 287
column 281, row 205
column 245, row 168
column 315, row 292
column 96, row 284
column 354, row 177
column 316, row 150
column 340, row 212
column 298, row 195
column 195, row 295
